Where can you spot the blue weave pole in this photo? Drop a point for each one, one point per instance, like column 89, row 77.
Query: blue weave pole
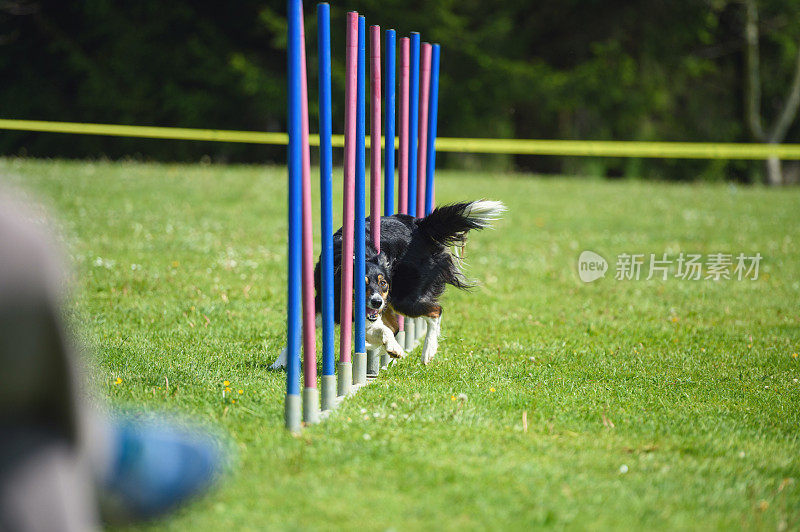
column 389, row 122
column 326, row 211
column 413, row 125
column 360, row 287
column 295, row 156
column 433, row 113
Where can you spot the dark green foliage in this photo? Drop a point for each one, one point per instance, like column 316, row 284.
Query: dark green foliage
column 646, row 70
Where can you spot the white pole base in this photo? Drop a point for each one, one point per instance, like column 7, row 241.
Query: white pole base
column 411, row 334
column 401, row 338
column 422, row 328
column 373, row 363
column 328, row 392
column 359, row 368
column 345, row 383
column 292, row 409
column 310, row 405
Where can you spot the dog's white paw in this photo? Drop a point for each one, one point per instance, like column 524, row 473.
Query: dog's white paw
column 430, row 349
column 394, row 349
column 391, row 344
column 280, row 363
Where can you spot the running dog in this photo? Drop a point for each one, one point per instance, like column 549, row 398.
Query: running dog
column 411, row 272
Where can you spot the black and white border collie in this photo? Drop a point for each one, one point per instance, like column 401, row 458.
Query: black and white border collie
column 411, row 272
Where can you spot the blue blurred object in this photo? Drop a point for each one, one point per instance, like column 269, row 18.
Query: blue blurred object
column 155, row 467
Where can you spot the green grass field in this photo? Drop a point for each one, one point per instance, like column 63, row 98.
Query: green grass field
column 650, row 404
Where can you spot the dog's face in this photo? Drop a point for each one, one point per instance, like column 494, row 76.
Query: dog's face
column 377, row 288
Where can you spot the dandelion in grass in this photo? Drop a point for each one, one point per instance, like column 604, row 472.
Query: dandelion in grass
column 118, row 381
column 492, row 389
column 226, row 390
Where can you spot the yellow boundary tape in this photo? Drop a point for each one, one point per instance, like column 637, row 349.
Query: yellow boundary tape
column 584, row 148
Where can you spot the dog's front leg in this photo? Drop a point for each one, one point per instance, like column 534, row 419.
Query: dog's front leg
column 432, row 337
column 390, row 343
column 379, row 335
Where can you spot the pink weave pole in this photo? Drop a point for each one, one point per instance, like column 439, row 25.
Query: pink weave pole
column 346, row 301
column 405, row 80
column 422, row 152
column 405, row 83
column 309, row 335
column 375, row 137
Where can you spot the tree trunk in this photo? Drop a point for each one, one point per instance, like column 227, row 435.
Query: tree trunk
column 752, row 85
column 752, row 94
column 774, row 173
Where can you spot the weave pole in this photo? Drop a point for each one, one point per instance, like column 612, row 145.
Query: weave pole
column 373, row 361
column 360, row 293
column 413, row 125
column 420, row 325
column 328, row 383
column 388, row 149
column 433, row 116
column 345, row 382
column 422, row 150
column 375, row 136
column 310, row 392
column 402, row 208
column 389, row 123
column 292, row 406
column 405, row 84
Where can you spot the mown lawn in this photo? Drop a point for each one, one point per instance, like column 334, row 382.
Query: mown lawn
column 649, row 404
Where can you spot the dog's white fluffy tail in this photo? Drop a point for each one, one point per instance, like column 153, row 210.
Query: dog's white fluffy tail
column 484, row 212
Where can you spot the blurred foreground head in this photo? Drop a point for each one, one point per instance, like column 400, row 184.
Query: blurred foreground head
column 62, row 460
column 45, row 482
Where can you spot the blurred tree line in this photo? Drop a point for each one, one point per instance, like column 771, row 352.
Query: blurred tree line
column 575, row 69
